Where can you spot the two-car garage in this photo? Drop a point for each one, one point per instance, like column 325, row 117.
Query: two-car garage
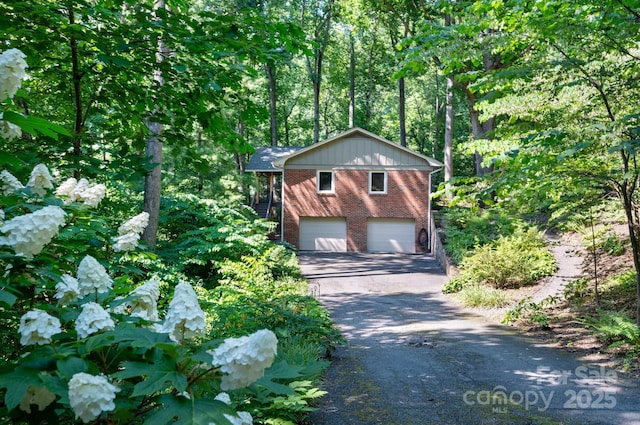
column 383, row 234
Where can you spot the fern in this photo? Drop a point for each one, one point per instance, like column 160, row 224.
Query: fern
column 615, row 327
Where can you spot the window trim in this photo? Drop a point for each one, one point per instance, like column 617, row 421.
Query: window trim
column 378, row 192
column 333, row 181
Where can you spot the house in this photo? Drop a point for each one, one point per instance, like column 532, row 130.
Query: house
column 353, row 192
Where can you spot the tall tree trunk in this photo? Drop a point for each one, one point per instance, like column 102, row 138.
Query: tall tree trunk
column 481, row 130
column 273, row 111
column 77, row 97
column 448, row 131
column 317, row 79
column 352, row 81
column 322, row 22
column 401, row 112
column 153, row 150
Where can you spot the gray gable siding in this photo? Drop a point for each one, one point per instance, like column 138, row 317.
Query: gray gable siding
column 358, row 151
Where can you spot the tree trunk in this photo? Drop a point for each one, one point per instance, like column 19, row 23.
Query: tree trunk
column 77, row 98
column 153, row 180
column 448, row 131
column 153, row 184
column 273, row 111
column 352, row 81
column 401, row 112
column 481, row 130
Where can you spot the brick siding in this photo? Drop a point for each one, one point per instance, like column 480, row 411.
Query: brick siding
column 407, row 197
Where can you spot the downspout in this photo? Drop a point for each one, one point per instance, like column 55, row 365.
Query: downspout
column 429, row 216
column 283, row 204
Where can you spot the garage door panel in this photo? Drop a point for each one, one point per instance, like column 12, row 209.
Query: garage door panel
column 391, row 235
column 323, row 234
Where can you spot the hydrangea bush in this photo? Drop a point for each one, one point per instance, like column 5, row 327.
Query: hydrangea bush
column 88, row 354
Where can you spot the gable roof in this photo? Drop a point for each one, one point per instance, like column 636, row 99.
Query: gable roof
column 400, row 154
column 264, row 156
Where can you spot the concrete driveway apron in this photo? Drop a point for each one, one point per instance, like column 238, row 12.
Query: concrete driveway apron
column 414, row 357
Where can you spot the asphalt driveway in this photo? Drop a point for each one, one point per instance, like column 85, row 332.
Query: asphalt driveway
column 414, row 357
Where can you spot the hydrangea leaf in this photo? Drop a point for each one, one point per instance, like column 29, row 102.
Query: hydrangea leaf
column 7, row 297
column 179, row 409
column 16, row 383
column 71, row 365
column 158, row 373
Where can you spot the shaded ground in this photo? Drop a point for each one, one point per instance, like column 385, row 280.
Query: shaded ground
column 415, row 357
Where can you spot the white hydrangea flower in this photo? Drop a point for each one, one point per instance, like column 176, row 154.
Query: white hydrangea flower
column 12, row 72
column 135, row 224
column 76, row 193
column 241, row 418
column 36, row 395
column 40, row 180
column 92, row 277
column 67, row 290
column 93, row 195
column 244, row 359
column 92, row 319
column 223, row 397
column 145, row 304
column 9, row 183
column 184, row 318
column 37, row 327
column 126, row 242
column 129, row 232
column 9, row 130
column 28, row 234
column 91, row 395
column 65, row 189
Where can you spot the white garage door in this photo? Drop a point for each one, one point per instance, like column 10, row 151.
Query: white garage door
column 323, row 234
column 391, row 235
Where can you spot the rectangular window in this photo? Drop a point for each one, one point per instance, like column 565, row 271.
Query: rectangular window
column 325, row 182
column 377, row 182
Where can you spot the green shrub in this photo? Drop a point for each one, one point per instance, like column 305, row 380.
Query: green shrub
column 466, row 229
column 577, row 289
column 527, row 309
column 483, row 297
column 510, row 262
column 455, row 285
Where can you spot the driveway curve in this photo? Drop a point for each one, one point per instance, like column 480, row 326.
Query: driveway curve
column 415, row 357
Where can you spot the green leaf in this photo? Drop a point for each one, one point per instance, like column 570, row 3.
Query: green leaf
column 179, row 409
column 16, row 383
column 157, row 374
column 35, row 125
column 71, row 365
column 7, row 297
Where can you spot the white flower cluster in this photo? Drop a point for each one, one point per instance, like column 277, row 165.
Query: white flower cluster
column 72, row 190
column 12, row 72
column 129, row 232
column 185, row 319
column 36, row 395
column 92, row 277
column 28, row 234
column 37, row 327
column 67, row 290
column 91, row 395
column 145, row 304
column 244, row 359
column 8, row 130
column 9, row 183
column 240, row 418
column 93, row 319
column 40, row 180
